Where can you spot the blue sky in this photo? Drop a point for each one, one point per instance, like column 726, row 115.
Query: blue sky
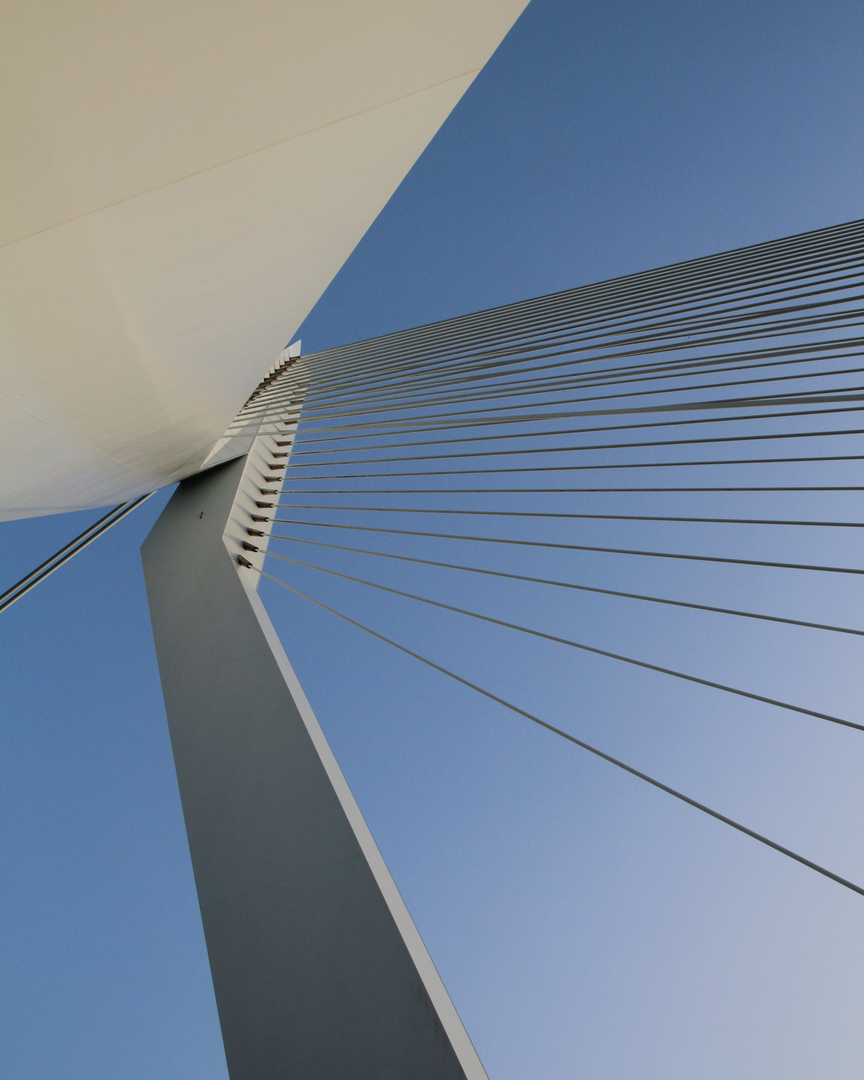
column 584, row 925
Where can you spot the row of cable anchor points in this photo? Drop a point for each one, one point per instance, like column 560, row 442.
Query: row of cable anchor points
column 282, row 450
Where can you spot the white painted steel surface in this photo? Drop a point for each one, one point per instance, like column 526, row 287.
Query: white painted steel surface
column 181, row 180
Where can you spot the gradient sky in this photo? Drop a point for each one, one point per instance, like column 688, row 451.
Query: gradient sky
column 585, row 925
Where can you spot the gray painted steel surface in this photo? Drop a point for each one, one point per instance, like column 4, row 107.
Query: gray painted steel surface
column 318, row 970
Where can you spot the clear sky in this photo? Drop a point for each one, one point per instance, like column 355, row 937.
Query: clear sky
column 585, row 925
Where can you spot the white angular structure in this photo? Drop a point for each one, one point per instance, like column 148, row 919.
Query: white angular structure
column 182, row 181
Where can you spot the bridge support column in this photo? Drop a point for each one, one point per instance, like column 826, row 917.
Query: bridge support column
column 318, row 969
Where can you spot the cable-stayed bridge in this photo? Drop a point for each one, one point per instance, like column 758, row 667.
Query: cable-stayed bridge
column 699, row 415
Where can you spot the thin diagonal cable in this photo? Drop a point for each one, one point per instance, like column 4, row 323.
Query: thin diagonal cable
column 414, row 391
column 572, row 467
column 574, row 490
column 609, row 333
column 515, row 414
column 59, row 558
column 318, row 360
column 520, row 359
column 581, row 743
column 636, row 373
column 546, row 412
column 591, row 350
column 587, row 448
column 805, row 254
column 369, row 391
column 568, row 516
column 685, row 280
column 626, row 375
column 626, row 388
column 556, row 546
column 572, row 585
column 593, row 649
column 557, row 433
column 286, row 391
